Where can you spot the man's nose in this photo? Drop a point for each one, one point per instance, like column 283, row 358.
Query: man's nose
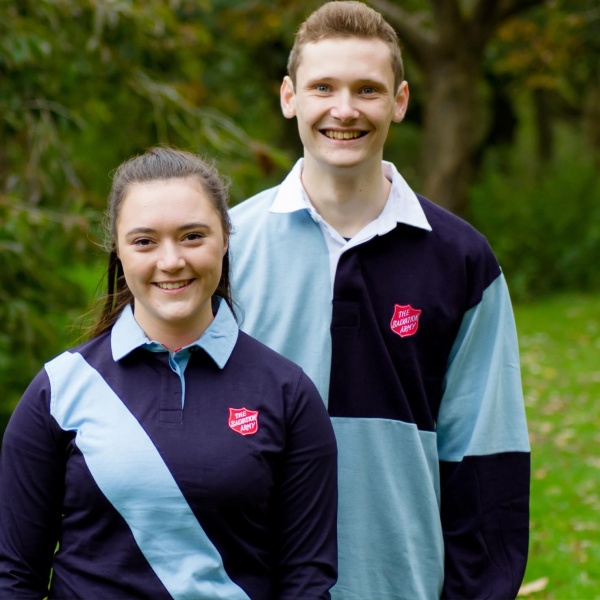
column 344, row 108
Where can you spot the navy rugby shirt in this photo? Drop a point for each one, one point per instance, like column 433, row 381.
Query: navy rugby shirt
column 411, row 340
column 227, row 492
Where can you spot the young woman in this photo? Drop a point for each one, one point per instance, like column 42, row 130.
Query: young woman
column 171, row 455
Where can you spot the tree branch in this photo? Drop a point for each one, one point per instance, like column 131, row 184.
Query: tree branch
column 488, row 16
column 411, row 29
column 509, row 8
column 448, row 16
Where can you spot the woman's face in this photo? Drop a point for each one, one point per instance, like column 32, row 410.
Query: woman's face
column 171, row 243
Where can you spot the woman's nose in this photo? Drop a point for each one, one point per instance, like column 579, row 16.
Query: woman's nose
column 171, row 258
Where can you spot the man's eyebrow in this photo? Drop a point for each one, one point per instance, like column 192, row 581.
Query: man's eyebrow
column 366, row 81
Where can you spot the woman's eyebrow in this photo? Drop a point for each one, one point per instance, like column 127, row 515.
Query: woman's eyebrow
column 184, row 227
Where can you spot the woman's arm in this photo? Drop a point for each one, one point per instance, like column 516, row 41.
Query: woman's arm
column 31, row 491
column 307, row 500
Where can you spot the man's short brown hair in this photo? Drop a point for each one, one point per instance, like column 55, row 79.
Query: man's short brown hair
column 344, row 19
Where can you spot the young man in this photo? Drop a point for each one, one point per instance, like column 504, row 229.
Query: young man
column 399, row 312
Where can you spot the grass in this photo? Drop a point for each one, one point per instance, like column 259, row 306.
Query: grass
column 560, row 358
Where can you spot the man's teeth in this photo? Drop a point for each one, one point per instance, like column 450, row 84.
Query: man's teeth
column 167, row 285
column 343, row 135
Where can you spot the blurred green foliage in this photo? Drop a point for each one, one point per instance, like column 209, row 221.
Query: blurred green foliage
column 86, row 84
column 543, row 223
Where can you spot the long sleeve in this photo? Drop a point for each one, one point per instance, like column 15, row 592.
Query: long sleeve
column 484, row 456
column 31, row 488
column 307, row 502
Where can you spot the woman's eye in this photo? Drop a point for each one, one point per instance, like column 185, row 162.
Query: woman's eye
column 194, row 236
column 142, row 242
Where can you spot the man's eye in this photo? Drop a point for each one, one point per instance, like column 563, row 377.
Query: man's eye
column 323, row 88
column 368, row 90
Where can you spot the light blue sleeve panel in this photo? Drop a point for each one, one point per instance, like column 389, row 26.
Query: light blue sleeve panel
column 482, row 410
column 129, row 470
column 280, row 279
column 389, row 495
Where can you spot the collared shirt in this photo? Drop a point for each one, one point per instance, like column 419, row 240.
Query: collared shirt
column 233, row 497
column 409, row 334
column 218, row 341
column 402, row 206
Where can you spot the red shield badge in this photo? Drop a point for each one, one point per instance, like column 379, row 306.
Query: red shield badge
column 243, row 421
column 405, row 321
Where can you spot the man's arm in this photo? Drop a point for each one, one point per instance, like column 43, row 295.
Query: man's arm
column 484, row 455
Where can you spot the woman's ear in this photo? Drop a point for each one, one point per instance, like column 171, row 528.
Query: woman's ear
column 288, row 98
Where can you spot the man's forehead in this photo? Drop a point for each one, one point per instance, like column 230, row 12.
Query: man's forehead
column 332, row 41
column 363, row 57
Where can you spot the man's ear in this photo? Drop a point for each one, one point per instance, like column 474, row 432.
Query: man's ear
column 401, row 102
column 288, row 98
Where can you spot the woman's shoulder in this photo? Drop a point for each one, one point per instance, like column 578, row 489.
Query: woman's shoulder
column 255, row 351
column 259, row 367
column 258, row 360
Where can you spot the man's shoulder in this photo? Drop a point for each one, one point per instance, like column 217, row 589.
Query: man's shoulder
column 450, row 227
column 461, row 245
column 257, row 204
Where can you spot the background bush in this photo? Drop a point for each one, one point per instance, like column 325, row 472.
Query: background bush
column 87, row 84
column 544, row 224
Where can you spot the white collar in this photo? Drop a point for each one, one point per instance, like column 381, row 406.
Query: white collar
column 402, row 205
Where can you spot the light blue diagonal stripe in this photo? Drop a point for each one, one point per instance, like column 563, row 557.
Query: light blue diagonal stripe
column 133, row 476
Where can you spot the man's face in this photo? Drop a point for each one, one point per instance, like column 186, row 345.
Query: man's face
column 344, row 101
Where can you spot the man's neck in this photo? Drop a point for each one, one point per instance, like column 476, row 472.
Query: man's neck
column 346, row 198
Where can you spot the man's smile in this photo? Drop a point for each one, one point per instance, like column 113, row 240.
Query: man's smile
column 343, row 135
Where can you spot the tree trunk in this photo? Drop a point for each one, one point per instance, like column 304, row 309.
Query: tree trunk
column 451, row 131
column 543, row 126
column 449, row 49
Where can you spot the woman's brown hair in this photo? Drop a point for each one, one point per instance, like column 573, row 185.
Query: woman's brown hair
column 156, row 164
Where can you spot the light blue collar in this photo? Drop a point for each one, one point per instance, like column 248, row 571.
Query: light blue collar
column 217, row 341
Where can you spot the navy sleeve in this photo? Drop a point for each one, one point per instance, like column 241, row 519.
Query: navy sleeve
column 485, row 515
column 31, row 490
column 484, row 452
column 307, row 500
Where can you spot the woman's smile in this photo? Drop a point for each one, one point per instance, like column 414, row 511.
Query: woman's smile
column 173, row 285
